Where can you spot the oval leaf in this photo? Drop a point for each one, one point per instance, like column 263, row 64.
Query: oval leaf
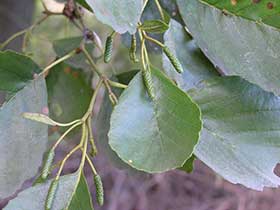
column 22, row 142
column 241, row 39
column 72, row 194
column 16, row 71
column 102, row 124
column 241, row 131
column 154, row 136
column 39, row 118
column 122, row 15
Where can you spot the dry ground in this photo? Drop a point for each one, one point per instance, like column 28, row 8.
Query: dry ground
column 175, row 190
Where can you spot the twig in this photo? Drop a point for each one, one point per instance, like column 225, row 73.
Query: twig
column 65, row 57
column 89, row 58
column 24, row 31
column 65, row 134
column 159, row 9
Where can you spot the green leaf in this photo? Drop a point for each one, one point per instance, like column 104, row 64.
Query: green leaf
column 102, row 126
column 84, row 4
column 102, row 122
column 72, row 194
column 122, row 15
column 16, row 71
column 196, row 66
column 240, row 137
column 22, row 142
column 144, row 132
column 126, row 77
column 64, row 46
column 69, row 93
column 171, row 8
column 42, row 118
column 188, row 165
column 263, row 12
column 81, row 198
column 242, row 42
column 154, row 26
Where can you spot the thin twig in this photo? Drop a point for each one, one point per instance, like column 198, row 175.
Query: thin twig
column 65, row 57
column 153, row 40
column 91, row 165
column 65, row 134
column 160, row 9
column 93, row 98
column 65, row 159
column 24, row 31
column 91, row 62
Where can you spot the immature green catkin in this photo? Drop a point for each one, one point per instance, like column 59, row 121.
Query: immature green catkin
column 147, row 76
column 99, row 189
column 47, row 165
column 108, row 49
column 132, row 51
column 175, row 62
column 51, row 194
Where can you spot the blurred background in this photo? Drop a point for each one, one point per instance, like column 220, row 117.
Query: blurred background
column 126, row 190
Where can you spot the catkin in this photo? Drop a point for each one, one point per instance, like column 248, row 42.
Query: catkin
column 51, row 194
column 108, row 49
column 99, row 189
column 175, row 62
column 48, row 164
column 133, row 47
column 147, row 76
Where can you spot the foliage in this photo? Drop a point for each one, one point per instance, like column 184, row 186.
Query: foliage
column 248, row 38
column 208, row 100
column 130, row 135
